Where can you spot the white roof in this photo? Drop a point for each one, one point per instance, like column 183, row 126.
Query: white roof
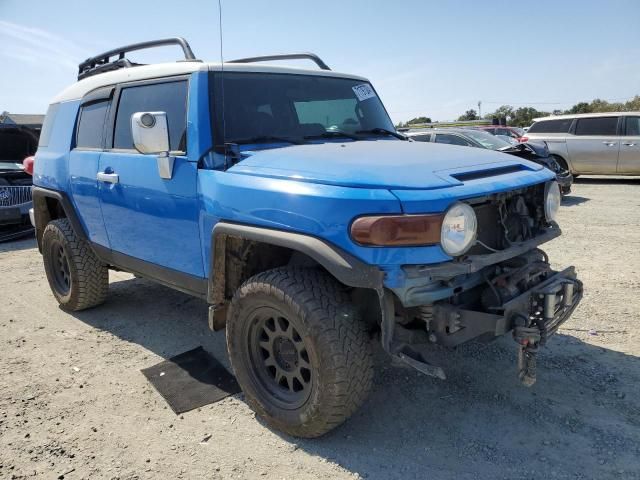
column 586, row 115
column 159, row 70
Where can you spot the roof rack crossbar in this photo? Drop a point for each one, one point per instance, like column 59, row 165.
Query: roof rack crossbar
column 101, row 63
column 286, row 56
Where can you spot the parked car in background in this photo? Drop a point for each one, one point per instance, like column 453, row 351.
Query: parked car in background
column 17, row 141
column 467, row 137
column 513, row 132
column 592, row 143
column 509, row 140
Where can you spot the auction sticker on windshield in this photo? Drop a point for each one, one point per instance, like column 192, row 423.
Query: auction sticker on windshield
column 364, row 91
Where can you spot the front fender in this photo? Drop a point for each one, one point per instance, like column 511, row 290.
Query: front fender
column 344, row 267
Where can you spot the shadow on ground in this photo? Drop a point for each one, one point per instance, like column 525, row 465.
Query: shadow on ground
column 581, row 420
column 573, row 200
column 24, row 243
column 602, row 180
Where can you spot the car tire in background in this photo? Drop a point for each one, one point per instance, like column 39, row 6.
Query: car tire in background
column 78, row 279
column 299, row 352
column 561, row 161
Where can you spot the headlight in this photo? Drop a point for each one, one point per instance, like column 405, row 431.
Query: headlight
column 552, row 199
column 459, row 229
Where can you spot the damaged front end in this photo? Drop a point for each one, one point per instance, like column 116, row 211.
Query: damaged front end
column 505, row 284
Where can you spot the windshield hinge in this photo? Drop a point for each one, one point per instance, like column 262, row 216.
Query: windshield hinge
column 231, row 150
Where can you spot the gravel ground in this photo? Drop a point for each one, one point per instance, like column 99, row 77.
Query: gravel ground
column 73, row 403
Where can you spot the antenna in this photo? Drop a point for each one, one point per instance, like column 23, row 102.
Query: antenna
column 224, row 116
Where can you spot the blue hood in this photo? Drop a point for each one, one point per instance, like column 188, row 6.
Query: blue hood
column 390, row 164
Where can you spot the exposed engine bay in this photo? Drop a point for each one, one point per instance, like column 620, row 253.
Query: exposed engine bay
column 503, row 284
column 508, row 218
column 16, row 143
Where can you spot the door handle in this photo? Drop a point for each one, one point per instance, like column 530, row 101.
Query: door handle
column 610, row 144
column 108, row 177
column 629, row 144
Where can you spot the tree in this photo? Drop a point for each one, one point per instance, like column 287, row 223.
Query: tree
column 633, row 105
column 468, row 115
column 505, row 111
column 419, row 120
column 523, row 116
column 582, row 107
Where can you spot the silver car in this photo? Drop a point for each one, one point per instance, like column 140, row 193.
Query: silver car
column 592, row 143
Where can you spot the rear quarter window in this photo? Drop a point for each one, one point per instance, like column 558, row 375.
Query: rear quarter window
column 561, row 125
column 47, row 126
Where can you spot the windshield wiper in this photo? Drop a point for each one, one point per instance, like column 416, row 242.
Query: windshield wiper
column 266, row 139
column 383, row 131
column 334, row 133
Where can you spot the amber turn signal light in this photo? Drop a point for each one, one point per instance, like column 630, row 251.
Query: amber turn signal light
column 397, row 230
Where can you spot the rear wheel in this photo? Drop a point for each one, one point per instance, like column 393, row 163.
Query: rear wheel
column 301, row 357
column 78, row 279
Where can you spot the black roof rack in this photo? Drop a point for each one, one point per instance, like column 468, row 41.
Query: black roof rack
column 286, row 56
column 102, row 63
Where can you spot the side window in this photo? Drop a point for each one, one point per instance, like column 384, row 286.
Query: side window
column 451, row 140
column 597, row 126
column 633, row 127
column 91, row 124
column 551, row 126
column 422, row 138
column 170, row 97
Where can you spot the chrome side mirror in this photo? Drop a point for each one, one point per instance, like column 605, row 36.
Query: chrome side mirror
column 150, row 134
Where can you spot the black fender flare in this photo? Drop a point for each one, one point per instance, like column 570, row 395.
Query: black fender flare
column 42, row 216
column 346, row 268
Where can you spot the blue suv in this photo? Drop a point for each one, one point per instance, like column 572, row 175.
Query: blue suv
column 286, row 199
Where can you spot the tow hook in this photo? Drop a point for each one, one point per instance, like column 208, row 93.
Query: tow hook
column 528, row 339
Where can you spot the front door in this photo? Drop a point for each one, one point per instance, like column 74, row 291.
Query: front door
column 594, row 146
column 629, row 158
column 149, row 218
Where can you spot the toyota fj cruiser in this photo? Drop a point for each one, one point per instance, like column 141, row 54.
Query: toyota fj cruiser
column 286, row 199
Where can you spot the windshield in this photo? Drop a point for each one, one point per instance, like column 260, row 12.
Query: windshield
column 273, row 107
column 487, row 140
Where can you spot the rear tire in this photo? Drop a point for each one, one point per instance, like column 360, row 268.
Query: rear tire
column 78, row 279
column 302, row 358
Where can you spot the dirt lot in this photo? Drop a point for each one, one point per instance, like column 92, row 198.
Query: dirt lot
column 74, row 404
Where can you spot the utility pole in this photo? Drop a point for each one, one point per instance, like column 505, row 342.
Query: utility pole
column 480, row 108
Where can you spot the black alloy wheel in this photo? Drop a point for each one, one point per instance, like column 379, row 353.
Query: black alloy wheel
column 279, row 358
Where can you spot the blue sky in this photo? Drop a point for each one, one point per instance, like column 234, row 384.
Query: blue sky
column 425, row 58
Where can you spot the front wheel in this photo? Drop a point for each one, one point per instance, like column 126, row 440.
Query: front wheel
column 301, row 357
column 562, row 162
column 77, row 277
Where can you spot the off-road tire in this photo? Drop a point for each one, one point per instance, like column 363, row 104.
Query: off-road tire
column 88, row 277
column 336, row 341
